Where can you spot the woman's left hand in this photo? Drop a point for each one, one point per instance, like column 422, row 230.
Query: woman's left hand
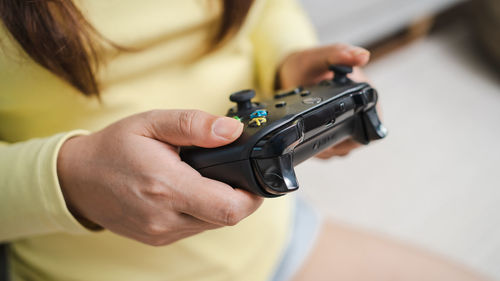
column 311, row 66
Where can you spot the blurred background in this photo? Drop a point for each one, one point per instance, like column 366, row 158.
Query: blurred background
column 435, row 180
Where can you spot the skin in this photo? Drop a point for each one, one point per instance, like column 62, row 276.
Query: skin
column 311, row 66
column 129, row 179
column 348, row 254
column 345, row 253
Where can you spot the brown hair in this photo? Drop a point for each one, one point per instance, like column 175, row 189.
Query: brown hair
column 55, row 34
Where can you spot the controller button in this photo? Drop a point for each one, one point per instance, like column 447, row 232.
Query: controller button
column 287, row 93
column 280, row 104
column 243, row 99
column 305, row 93
column 342, row 106
column 258, row 113
column 257, row 122
column 237, row 118
column 325, row 83
column 340, row 73
column 312, row 100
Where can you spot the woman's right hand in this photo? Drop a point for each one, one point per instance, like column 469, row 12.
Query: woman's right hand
column 129, row 178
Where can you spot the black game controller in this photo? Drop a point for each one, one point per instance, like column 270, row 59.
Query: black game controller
column 282, row 132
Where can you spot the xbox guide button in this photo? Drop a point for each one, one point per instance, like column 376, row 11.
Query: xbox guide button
column 312, row 100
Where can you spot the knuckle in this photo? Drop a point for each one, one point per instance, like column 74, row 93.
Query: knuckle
column 153, row 228
column 156, row 189
column 232, row 215
column 182, row 203
column 185, row 122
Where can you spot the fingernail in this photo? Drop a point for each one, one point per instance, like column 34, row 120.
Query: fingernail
column 226, row 128
column 360, row 52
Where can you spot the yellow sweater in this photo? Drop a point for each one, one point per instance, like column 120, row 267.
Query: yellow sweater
column 39, row 111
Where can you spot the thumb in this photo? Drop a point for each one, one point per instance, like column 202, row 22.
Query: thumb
column 342, row 54
column 192, row 127
column 311, row 66
column 320, row 58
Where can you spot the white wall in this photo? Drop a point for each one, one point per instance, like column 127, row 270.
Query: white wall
column 364, row 21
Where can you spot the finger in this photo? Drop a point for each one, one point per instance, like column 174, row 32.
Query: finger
column 329, row 153
column 346, row 54
column 192, row 127
column 341, row 149
column 161, row 240
column 188, row 223
column 212, row 201
column 347, row 145
column 339, row 54
column 164, row 228
column 317, row 61
column 168, row 223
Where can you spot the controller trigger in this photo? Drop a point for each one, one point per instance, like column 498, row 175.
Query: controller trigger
column 373, row 127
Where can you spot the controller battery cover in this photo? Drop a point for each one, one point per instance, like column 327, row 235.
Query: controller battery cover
column 282, row 132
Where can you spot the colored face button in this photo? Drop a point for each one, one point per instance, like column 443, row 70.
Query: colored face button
column 257, row 122
column 258, row 113
column 237, row 118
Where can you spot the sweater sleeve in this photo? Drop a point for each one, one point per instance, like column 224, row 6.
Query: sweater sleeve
column 282, row 28
column 31, row 201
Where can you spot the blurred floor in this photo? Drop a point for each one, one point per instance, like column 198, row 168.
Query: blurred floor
column 435, row 181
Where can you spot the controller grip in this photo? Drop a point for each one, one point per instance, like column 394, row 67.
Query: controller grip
column 225, row 164
column 238, row 174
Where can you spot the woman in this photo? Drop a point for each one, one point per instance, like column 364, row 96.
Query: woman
column 91, row 178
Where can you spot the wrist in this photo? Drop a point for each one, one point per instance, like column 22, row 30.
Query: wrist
column 68, row 160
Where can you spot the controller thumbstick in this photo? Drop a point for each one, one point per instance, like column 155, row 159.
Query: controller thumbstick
column 340, row 72
column 243, row 99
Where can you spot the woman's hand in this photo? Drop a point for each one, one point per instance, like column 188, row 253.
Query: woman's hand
column 311, row 66
column 129, row 178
